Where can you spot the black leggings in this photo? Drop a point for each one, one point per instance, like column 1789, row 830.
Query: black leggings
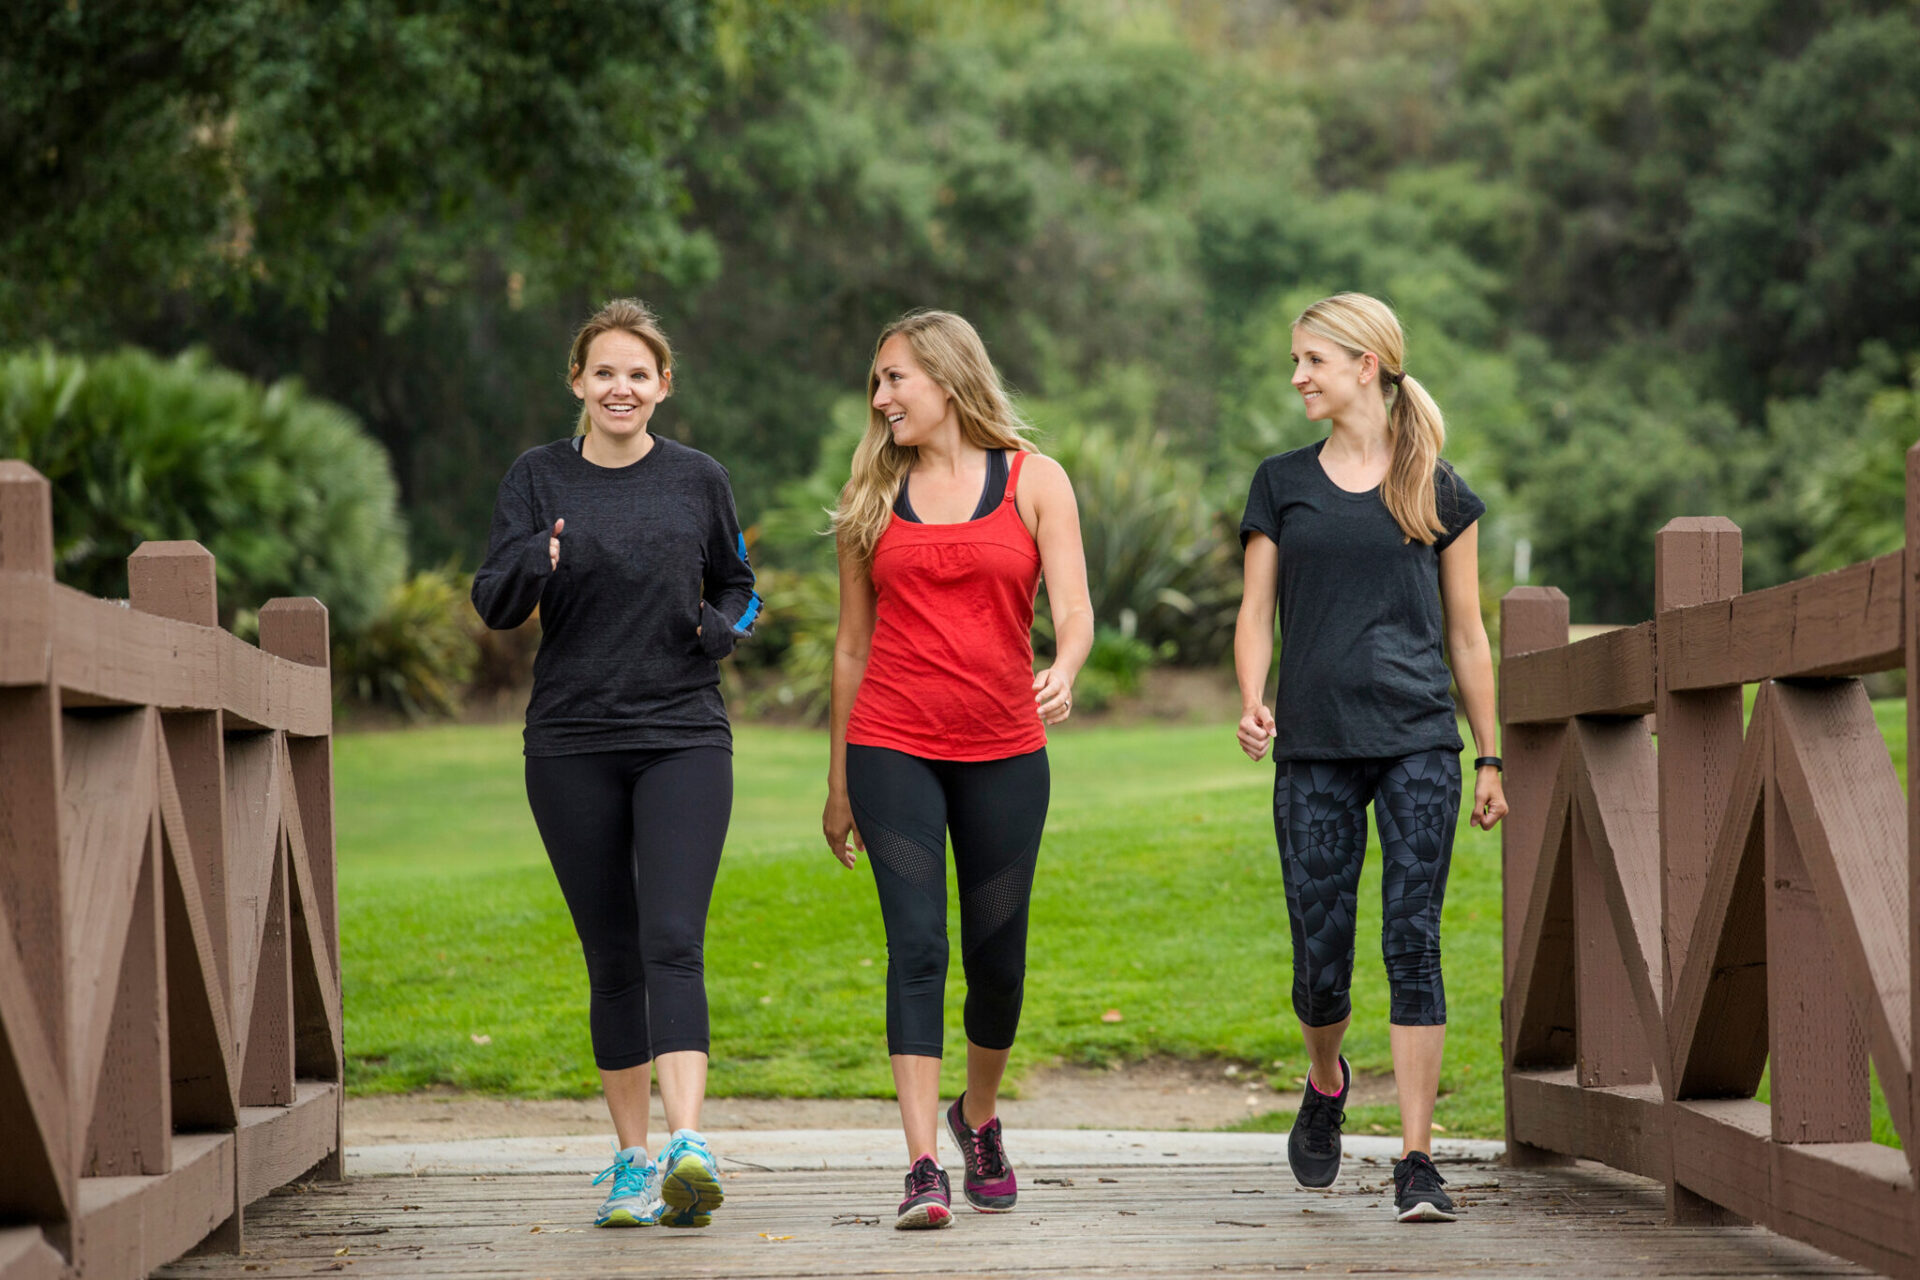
column 635, row 838
column 904, row 807
column 1319, row 815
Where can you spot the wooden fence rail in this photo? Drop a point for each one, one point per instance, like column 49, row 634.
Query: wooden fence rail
column 169, row 954
column 1739, row 901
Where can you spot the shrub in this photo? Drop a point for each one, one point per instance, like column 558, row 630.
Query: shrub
column 1160, row 563
column 417, row 653
column 1114, row 667
column 797, row 632
column 285, row 489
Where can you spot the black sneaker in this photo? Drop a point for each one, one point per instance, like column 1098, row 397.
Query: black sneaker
column 928, row 1202
column 1313, row 1147
column 1417, row 1196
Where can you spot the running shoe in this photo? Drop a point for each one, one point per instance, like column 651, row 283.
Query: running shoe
column 989, row 1181
column 689, row 1181
column 634, row 1200
column 1417, row 1196
column 1313, row 1148
column 928, row 1203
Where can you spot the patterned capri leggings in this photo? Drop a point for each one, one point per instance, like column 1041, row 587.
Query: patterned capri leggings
column 1319, row 816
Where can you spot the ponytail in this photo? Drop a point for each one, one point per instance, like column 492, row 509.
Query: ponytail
column 1415, row 429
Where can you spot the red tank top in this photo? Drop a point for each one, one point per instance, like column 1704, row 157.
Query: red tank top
column 950, row 671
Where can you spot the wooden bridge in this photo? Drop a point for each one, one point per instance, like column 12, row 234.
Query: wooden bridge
column 1738, row 902
column 169, row 956
column 1696, row 898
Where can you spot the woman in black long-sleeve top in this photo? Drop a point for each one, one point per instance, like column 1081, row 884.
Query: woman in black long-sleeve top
column 629, row 545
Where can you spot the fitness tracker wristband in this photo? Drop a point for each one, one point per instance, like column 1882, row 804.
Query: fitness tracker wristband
column 1484, row 761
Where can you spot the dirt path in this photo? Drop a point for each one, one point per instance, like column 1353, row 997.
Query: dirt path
column 1156, row 1094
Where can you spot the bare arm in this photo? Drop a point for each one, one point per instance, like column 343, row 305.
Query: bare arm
column 851, row 644
column 1253, row 643
column 1048, row 494
column 1472, row 660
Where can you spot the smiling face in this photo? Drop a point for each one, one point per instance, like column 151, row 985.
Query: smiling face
column 620, row 383
column 1328, row 379
column 913, row 404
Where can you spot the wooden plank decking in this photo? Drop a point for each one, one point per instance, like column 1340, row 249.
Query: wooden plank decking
column 1150, row 1222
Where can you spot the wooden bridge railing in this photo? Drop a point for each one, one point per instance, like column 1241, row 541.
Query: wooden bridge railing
column 1689, row 905
column 169, row 959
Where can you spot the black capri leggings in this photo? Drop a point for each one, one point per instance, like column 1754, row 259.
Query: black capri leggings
column 904, row 807
column 1319, row 815
column 635, row 838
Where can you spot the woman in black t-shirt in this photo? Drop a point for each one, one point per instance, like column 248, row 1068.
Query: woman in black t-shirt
column 1364, row 543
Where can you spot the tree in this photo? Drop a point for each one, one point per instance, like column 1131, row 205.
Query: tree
column 312, row 151
column 1806, row 237
column 378, row 195
column 1852, row 495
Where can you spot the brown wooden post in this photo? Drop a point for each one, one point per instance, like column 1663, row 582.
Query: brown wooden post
column 38, row 1175
column 1531, row 618
column 1696, row 560
column 1910, row 581
column 297, row 628
column 176, row 580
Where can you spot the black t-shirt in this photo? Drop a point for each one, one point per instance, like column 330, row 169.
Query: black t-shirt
column 653, row 589
column 1362, row 674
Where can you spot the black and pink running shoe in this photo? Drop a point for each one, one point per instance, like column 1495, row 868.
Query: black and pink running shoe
column 928, row 1202
column 990, row 1184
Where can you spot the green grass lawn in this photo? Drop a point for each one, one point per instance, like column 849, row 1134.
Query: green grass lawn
column 1158, row 896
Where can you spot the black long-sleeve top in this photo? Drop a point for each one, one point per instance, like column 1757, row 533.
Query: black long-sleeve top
column 653, row 589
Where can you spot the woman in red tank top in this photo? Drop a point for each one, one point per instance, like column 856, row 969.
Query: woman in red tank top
column 939, row 720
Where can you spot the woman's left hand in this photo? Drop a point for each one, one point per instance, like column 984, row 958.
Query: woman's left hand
column 1053, row 693
column 1489, row 799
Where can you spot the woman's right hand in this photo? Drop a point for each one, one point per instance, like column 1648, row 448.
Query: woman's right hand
column 553, row 544
column 1256, row 731
column 842, row 836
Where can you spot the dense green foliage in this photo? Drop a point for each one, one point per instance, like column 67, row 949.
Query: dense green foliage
column 404, row 203
column 1655, row 257
column 286, row 490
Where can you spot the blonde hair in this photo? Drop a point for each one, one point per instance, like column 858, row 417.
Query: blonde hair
column 627, row 315
column 1415, row 429
column 950, row 352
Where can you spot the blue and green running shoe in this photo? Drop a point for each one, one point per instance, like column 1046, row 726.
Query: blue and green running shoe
column 634, row 1200
column 689, row 1181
